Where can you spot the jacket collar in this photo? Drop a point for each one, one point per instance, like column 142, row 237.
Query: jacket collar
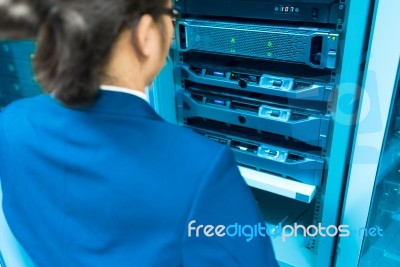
column 125, row 90
column 116, row 102
column 124, row 104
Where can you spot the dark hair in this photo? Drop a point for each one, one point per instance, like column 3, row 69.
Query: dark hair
column 74, row 40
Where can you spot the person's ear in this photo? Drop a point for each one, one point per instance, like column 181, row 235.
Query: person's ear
column 143, row 35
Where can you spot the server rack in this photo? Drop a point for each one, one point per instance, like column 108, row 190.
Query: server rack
column 235, row 80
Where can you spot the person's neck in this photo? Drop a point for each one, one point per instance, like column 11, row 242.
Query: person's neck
column 124, row 68
column 125, row 83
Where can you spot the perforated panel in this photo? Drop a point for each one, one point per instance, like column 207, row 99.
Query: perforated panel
column 257, row 41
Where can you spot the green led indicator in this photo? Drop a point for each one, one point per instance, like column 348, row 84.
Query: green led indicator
column 269, row 44
column 334, row 38
column 233, row 50
column 233, row 40
column 269, row 54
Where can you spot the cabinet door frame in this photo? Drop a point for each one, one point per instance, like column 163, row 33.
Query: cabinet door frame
column 376, row 98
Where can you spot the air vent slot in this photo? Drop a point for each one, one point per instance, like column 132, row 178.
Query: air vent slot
column 245, row 147
column 316, row 50
column 182, row 36
column 294, row 158
column 196, row 70
column 298, row 117
column 302, row 85
column 198, row 98
column 243, row 106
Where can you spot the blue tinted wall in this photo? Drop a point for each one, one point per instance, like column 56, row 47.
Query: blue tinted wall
column 16, row 75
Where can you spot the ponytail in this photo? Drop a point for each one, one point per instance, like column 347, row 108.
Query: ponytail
column 64, row 63
column 73, row 46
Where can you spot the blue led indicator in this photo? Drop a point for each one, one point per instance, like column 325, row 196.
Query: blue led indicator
column 219, row 74
column 219, row 102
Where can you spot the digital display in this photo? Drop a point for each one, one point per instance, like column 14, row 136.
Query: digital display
column 287, row 9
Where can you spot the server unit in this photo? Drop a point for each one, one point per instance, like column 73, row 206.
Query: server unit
column 315, row 47
column 258, row 82
column 316, row 11
column 265, row 152
column 301, row 125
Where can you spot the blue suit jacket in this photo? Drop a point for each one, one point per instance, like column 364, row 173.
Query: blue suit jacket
column 114, row 185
